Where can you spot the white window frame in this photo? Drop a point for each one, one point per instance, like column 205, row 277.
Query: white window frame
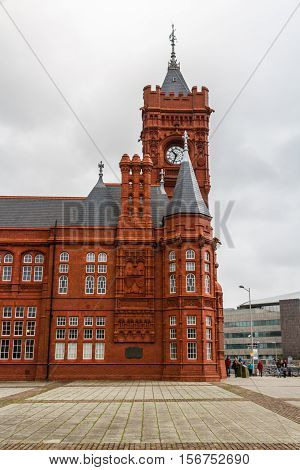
column 89, row 285
column 60, row 333
column 4, row 348
column 192, row 350
column 172, row 320
column 60, row 351
column 191, row 333
column 6, row 273
column 207, row 256
column 209, row 351
column 172, row 267
column 6, row 328
column 190, row 254
column 88, row 321
column 61, row 321
column 26, row 273
column 29, row 349
column 87, row 351
column 102, row 268
column 64, row 257
column 172, row 282
column 72, row 351
column 38, row 273
column 73, row 321
column 99, row 351
column 8, row 258
column 100, row 321
column 31, row 312
column 90, row 268
column 64, row 268
column 190, row 266
column 173, row 351
column 73, row 333
column 191, row 320
column 190, row 282
column 63, row 282
column 30, row 328
column 100, row 334
column 102, row 257
column 173, row 333
column 172, row 256
column 39, row 258
column 19, row 311
column 90, row 257
column 27, row 259
column 101, row 285
column 7, row 311
column 17, row 349
column 88, row 333
column 207, row 288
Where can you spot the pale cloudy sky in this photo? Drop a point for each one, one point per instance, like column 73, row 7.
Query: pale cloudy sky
column 102, row 54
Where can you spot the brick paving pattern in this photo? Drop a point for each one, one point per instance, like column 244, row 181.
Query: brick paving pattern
column 145, row 415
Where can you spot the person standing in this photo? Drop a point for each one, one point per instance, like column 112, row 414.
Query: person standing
column 250, row 368
column 228, row 364
column 235, row 366
column 260, row 367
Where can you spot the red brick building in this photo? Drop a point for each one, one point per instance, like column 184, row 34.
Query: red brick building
column 122, row 283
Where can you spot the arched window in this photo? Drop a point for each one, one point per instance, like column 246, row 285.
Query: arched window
column 63, row 285
column 90, row 257
column 207, row 256
column 172, row 284
column 39, row 258
column 190, row 282
column 101, row 285
column 190, row 254
column 89, row 284
column 27, row 258
column 102, row 258
column 172, row 256
column 64, row 256
column 207, row 284
column 8, row 258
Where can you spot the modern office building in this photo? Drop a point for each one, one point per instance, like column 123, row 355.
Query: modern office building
column 276, row 328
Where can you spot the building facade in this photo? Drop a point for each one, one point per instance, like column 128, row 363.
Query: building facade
column 275, row 324
column 122, row 283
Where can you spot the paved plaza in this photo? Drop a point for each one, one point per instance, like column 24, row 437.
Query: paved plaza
column 236, row 413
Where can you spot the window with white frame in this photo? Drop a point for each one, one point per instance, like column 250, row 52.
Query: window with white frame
column 208, row 333
column 6, row 273
column 73, row 321
column 59, row 351
column 172, row 333
column 18, row 328
column 73, row 333
column 100, row 334
column 72, row 350
column 101, row 285
column 99, row 350
column 209, row 351
column 26, row 273
column 192, row 350
column 190, row 266
column 191, row 320
column 8, row 258
column 208, row 321
column 89, row 284
column 17, row 349
column 31, row 312
column 207, row 256
column 102, row 268
column 102, row 257
column 206, row 267
column 191, row 333
column 172, row 320
column 61, row 321
column 63, row 268
column 30, row 328
column 190, row 282
column 172, row 267
column 173, row 351
column 27, row 258
column 29, row 349
column 7, row 312
column 100, row 321
column 60, row 333
column 87, row 333
column 19, row 312
column 90, row 257
column 207, row 284
column 88, row 321
column 172, row 284
column 90, row 268
column 172, row 256
column 38, row 274
column 64, row 256
column 39, row 258
column 63, row 285
column 87, row 350
column 6, row 328
column 4, row 349
column 189, row 254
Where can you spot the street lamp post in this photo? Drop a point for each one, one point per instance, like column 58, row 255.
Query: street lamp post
column 251, row 322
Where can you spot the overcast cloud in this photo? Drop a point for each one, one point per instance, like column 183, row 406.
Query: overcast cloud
column 102, row 54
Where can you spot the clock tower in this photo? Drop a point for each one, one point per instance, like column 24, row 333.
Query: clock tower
column 168, row 111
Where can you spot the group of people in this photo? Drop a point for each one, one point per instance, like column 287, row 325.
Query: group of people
column 238, row 362
column 282, row 367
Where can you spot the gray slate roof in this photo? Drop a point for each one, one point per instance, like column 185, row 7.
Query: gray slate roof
column 174, row 81
column 101, row 207
column 187, row 197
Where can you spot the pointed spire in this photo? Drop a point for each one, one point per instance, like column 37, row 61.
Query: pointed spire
column 173, row 39
column 187, row 197
column 174, row 81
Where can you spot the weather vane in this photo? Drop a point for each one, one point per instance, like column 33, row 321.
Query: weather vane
column 173, row 40
column 101, row 166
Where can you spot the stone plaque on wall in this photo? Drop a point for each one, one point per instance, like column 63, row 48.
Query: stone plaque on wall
column 134, row 352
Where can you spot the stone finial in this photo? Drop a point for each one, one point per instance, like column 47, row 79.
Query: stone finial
column 101, row 166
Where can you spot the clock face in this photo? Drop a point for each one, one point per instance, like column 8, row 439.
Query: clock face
column 174, row 155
